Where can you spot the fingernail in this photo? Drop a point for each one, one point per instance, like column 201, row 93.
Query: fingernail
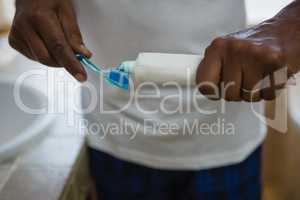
column 85, row 51
column 80, row 77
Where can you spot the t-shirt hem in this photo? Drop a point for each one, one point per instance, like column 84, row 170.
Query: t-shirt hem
column 178, row 163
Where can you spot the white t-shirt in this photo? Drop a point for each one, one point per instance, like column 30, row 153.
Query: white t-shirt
column 118, row 30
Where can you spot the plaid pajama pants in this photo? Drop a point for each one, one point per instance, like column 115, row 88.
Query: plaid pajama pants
column 120, row 180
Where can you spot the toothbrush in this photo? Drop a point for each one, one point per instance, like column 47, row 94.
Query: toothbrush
column 115, row 77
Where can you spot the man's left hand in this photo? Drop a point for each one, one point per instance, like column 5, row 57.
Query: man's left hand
column 239, row 64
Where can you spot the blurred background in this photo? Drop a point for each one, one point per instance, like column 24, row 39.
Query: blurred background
column 282, row 152
column 257, row 10
column 6, row 14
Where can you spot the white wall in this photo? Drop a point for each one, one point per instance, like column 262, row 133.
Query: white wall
column 259, row 10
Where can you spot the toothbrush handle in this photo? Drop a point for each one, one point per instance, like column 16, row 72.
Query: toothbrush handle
column 87, row 63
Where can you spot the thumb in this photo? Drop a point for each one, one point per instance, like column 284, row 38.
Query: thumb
column 71, row 30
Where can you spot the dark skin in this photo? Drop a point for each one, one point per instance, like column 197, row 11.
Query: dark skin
column 248, row 56
column 47, row 31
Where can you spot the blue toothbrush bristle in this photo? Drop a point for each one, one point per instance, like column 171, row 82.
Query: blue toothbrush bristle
column 115, row 77
column 119, row 79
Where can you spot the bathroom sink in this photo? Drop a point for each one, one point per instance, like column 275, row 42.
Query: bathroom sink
column 20, row 130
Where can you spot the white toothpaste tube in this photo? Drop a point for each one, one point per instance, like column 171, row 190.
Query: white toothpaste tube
column 162, row 68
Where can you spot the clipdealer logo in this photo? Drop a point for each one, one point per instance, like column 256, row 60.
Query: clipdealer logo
column 188, row 99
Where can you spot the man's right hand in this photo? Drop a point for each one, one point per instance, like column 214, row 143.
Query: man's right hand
column 47, row 31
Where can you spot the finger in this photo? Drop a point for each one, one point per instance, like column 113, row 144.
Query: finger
column 209, row 73
column 53, row 36
column 39, row 49
column 276, row 75
column 251, row 85
column 21, row 47
column 274, row 82
column 232, row 78
column 16, row 42
column 273, row 59
column 72, row 32
column 268, row 92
